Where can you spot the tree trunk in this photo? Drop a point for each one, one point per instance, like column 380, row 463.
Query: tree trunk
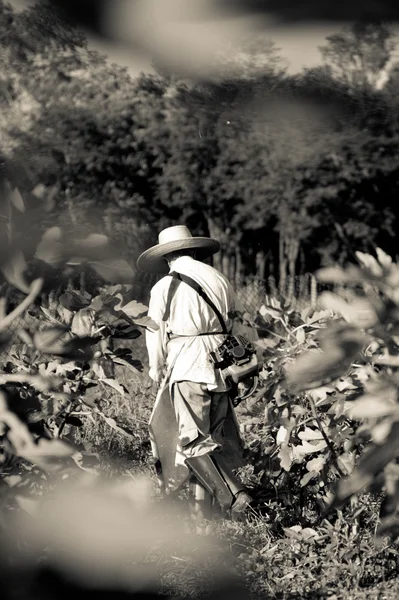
column 260, row 264
column 238, row 266
column 215, row 232
column 226, row 264
column 232, row 268
column 282, row 265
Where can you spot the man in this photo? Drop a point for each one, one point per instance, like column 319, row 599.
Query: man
column 193, row 427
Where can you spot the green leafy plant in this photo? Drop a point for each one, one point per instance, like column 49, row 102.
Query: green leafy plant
column 65, row 356
column 328, row 429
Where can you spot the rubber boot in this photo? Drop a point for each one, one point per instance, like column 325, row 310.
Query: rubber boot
column 205, row 470
column 200, row 500
column 241, row 498
column 214, row 474
column 200, row 504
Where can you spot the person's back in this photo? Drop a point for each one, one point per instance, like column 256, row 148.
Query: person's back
column 201, row 436
column 189, row 319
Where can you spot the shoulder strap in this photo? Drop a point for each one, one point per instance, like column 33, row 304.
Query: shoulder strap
column 177, row 278
column 174, row 284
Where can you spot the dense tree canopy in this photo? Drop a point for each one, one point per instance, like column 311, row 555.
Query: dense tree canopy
column 289, row 172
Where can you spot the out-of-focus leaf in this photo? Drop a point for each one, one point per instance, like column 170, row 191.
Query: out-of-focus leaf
column 374, row 407
column 340, row 345
column 16, row 200
column 50, row 455
column 74, row 349
column 95, row 247
column 360, row 313
column 113, row 270
column 73, row 301
column 346, row 462
column 387, row 361
column 380, row 432
column 370, row 264
column 26, row 337
column 301, row 336
column 383, row 258
column 282, row 435
column 51, row 249
column 335, row 275
column 14, row 268
column 46, row 339
column 371, row 464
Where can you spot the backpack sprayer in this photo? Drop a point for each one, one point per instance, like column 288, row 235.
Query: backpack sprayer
column 236, row 358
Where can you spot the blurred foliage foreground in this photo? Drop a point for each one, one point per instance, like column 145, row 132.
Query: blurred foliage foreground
column 322, row 427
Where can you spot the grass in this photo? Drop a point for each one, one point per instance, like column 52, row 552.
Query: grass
column 342, row 560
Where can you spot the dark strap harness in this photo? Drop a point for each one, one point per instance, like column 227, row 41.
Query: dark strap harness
column 178, row 278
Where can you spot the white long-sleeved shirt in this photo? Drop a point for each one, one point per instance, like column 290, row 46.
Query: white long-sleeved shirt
column 189, row 316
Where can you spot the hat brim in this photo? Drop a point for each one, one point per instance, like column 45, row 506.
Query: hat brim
column 153, row 260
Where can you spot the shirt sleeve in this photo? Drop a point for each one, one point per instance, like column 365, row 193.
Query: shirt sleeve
column 156, row 340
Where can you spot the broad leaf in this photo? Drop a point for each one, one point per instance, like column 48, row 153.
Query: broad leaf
column 130, row 363
column 112, row 423
column 316, row 464
column 82, row 323
column 308, row 477
column 147, row 323
column 115, row 385
column 310, row 434
column 126, row 332
column 133, row 309
column 73, row 301
column 286, row 458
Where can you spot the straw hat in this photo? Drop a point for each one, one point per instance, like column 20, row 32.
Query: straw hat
column 173, row 239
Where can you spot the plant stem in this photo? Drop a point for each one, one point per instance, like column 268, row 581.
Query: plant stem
column 35, row 289
column 325, row 437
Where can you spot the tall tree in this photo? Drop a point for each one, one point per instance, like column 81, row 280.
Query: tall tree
column 359, row 54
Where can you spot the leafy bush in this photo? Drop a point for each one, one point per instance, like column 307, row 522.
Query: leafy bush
column 322, row 426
